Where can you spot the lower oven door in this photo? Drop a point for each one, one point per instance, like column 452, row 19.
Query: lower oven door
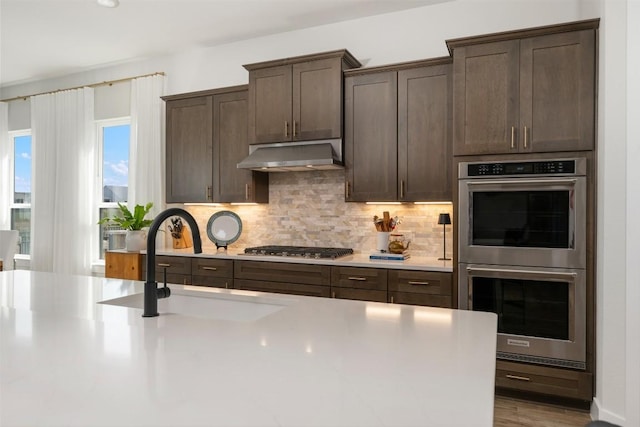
column 541, row 311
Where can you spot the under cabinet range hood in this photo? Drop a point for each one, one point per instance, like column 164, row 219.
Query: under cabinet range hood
column 294, row 156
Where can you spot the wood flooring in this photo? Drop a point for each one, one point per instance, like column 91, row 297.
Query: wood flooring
column 511, row 412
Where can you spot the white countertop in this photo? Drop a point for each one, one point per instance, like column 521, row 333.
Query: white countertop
column 355, row 260
column 67, row 360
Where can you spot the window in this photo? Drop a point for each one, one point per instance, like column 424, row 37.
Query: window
column 21, row 201
column 113, row 178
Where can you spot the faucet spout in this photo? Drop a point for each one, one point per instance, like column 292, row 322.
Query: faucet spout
column 151, row 291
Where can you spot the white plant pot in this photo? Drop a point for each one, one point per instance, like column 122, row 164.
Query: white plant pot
column 135, row 240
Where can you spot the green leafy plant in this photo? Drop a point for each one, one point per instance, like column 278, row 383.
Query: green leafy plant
column 128, row 220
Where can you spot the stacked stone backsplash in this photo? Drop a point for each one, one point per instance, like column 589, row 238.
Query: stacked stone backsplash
column 308, row 209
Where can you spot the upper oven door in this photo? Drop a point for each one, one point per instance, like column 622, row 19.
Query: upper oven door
column 529, row 221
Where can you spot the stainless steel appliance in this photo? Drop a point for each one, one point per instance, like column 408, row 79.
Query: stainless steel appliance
column 523, row 213
column 522, row 255
column 299, row 251
column 541, row 310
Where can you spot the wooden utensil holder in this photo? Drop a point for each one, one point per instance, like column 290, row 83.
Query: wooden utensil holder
column 184, row 241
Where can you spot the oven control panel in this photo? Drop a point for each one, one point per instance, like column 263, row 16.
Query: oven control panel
column 547, row 167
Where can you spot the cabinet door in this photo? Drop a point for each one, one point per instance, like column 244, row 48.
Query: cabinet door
column 177, row 268
column 212, row 272
column 189, row 150
column 317, row 100
column 485, row 94
column 230, row 146
column 371, row 135
column 270, row 105
column 424, row 134
column 557, row 89
column 420, row 288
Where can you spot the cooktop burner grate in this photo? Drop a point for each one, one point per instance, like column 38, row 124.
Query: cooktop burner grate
column 299, row 251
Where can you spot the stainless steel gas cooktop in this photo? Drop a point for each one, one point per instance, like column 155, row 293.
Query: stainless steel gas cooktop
column 299, row 251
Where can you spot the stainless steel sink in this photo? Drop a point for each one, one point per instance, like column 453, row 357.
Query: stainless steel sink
column 209, row 304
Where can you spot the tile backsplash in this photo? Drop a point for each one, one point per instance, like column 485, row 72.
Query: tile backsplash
column 308, row 209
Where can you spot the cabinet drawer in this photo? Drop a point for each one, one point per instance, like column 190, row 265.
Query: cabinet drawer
column 545, row 380
column 309, row 274
column 421, row 282
column 281, row 287
column 173, row 264
column 359, row 278
column 212, row 281
column 178, row 269
column 443, row 301
column 359, row 294
column 208, row 267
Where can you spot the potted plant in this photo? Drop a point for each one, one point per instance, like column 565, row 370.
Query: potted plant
column 134, row 223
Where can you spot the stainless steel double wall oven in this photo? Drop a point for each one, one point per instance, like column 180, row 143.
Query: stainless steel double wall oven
column 522, row 255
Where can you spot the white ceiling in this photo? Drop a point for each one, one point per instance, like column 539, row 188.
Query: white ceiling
column 42, row 39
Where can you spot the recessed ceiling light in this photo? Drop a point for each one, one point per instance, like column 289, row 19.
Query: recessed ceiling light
column 108, row 3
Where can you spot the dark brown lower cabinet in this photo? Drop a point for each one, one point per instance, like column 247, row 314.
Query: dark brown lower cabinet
column 543, row 380
column 368, row 284
column 297, row 279
column 177, row 268
column 283, row 287
column 420, row 288
column 210, row 272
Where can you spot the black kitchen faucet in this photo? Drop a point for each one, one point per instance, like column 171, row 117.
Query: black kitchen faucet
column 151, row 291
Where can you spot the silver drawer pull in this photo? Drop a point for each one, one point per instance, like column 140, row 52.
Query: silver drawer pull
column 209, row 268
column 360, row 279
column 517, row 377
column 411, row 282
column 162, row 264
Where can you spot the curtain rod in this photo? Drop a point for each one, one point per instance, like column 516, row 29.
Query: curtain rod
column 107, row 82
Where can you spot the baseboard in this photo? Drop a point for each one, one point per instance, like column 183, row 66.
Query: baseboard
column 601, row 414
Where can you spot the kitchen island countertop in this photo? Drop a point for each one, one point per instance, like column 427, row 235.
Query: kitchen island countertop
column 356, row 260
column 292, row 361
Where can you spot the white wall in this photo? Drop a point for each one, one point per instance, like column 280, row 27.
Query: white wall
column 395, row 37
column 632, row 340
column 420, row 33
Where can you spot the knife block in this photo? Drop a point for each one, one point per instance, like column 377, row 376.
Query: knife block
column 184, row 241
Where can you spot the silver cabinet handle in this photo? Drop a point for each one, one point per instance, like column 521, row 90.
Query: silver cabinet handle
column 517, row 377
column 411, row 282
column 525, row 137
column 294, row 129
column 161, row 264
column 359, row 279
column 209, row 268
column 513, row 137
column 286, row 129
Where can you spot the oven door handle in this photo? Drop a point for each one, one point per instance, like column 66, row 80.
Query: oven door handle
column 524, row 181
column 546, row 274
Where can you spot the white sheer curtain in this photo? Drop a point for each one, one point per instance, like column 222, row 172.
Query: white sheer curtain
column 63, row 148
column 147, row 158
column 5, row 167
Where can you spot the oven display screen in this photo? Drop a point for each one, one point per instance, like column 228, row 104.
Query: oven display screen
column 539, row 219
column 533, row 308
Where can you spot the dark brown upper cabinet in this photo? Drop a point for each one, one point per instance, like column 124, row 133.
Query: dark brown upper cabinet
column 206, row 136
column 398, row 132
column 525, row 91
column 189, row 148
column 297, row 99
